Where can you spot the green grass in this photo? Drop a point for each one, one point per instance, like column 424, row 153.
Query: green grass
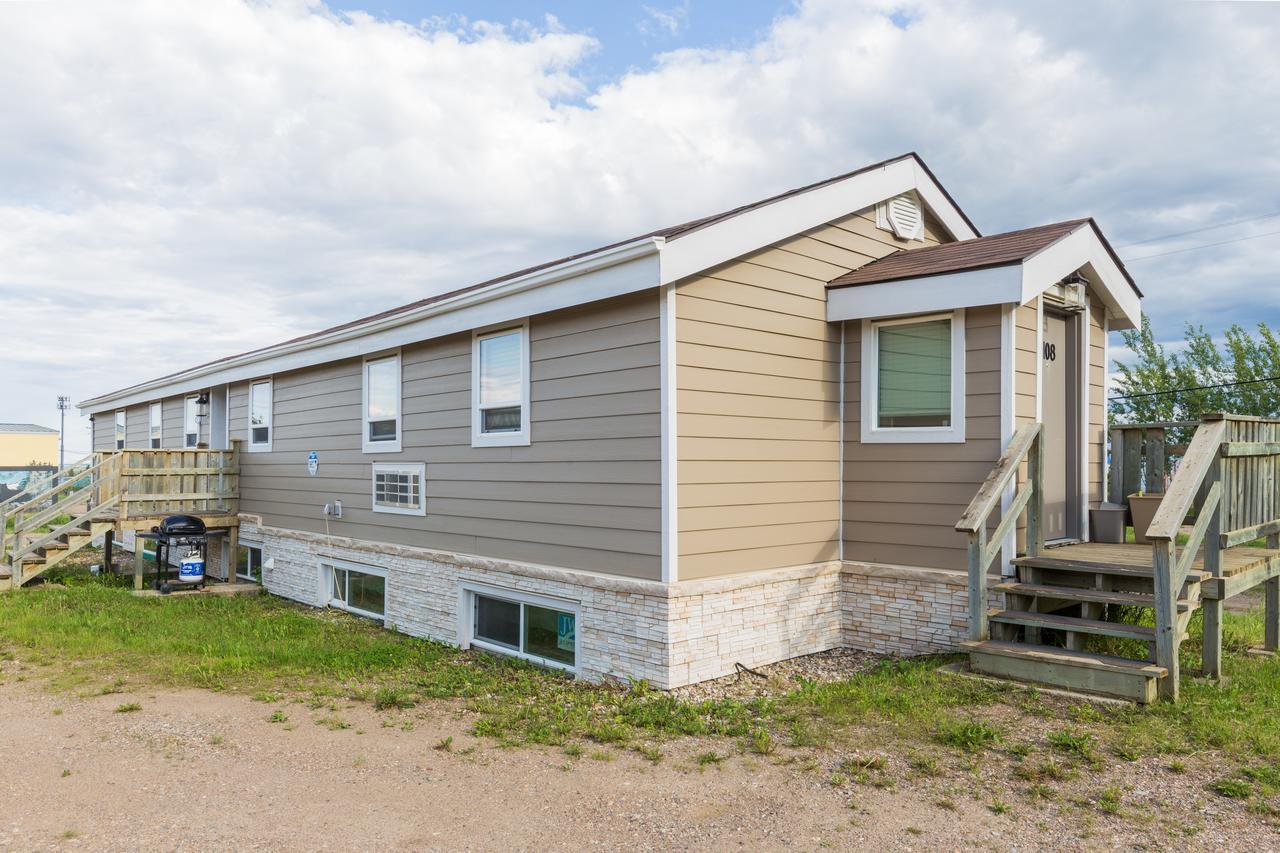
column 103, row 638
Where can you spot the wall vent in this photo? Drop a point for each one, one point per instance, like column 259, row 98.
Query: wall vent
column 902, row 215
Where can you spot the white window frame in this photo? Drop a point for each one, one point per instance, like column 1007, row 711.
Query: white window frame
column 327, row 565
column 467, row 622
column 366, row 445
column 262, row 446
column 872, row 433
column 418, row 469
column 479, row 438
column 155, row 425
column 257, row 546
column 191, row 406
column 121, row 429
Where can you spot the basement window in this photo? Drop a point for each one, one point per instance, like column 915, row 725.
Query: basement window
column 500, row 387
column 249, row 562
column 913, row 379
column 156, row 425
column 541, row 630
column 260, row 416
column 361, row 590
column 382, row 404
column 120, row 433
column 399, row 488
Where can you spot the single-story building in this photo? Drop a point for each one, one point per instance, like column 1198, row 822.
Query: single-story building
column 735, row 440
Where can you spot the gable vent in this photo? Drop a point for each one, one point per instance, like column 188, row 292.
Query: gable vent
column 901, row 215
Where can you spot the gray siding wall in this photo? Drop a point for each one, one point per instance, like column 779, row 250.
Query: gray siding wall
column 104, row 431
column 584, row 494
column 137, row 420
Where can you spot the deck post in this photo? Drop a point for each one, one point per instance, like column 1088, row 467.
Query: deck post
column 108, row 551
column 977, row 585
column 139, row 563
column 1211, row 647
column 1035, row 509
column 1166, row 601
column 1271, row 610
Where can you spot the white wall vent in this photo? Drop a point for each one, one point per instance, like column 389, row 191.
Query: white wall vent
column 902, row 215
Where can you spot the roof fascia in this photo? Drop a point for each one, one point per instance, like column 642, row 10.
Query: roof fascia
column 1083, row 249
column 612, row 272
column 923, row 294
column 754, row 229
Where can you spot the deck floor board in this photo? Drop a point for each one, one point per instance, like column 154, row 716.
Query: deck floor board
column 1234, row 560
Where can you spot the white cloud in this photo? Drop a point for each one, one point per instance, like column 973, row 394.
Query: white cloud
column 669, row 22
column 179, row 181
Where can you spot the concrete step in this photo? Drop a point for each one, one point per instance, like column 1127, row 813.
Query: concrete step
column 1102, row 674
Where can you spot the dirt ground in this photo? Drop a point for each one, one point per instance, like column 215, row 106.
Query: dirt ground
column 196, row 770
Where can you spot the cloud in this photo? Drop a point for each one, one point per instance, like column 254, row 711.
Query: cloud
column 669, row 22
column 179, row 181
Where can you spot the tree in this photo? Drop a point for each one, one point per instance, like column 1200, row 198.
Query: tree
column 1175, row 383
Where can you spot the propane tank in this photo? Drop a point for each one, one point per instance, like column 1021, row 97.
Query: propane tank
column 191, row 570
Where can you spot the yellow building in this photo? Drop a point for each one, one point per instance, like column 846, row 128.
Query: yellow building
column 22, row 445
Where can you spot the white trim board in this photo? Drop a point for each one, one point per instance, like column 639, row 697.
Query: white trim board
column 667, row 298
column 1008, row 423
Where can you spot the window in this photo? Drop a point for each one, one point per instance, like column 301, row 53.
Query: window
column 399, row 488
column 120, row 429
column 249, row 562
column 537, row 629
column 382, row 404
column 190, row 422
column 260, row 416
column 157, row 425
column 362, row 591
column 500, row 387
column 913, row 379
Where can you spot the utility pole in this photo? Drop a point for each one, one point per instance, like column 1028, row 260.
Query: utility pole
column 64, row 403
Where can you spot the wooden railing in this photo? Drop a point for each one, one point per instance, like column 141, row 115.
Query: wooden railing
column 1143, row 454
column 187, row 481
column 1230, row 478
column 1027, row 444
column 134, row 484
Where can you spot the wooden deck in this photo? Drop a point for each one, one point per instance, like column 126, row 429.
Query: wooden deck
column 1237, row 561
column 211, row 588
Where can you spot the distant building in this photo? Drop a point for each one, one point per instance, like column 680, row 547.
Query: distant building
column 28, row 457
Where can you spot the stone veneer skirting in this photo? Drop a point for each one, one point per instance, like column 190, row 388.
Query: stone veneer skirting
column 669, row 634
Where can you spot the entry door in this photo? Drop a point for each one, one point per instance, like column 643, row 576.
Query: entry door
column 1060, row 378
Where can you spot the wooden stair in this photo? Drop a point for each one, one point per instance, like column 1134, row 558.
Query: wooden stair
column 70, row 539
column 1056, row 599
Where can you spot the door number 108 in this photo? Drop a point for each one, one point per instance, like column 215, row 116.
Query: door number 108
column 1050, row 351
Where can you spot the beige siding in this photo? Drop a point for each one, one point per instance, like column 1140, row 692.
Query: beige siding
column 758, row 402
column 584, row 494
column 1097, row 400
column 902, row 500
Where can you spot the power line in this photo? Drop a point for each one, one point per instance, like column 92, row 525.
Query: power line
column 1195, row 388
column 1203, row 246
column 1199, row 230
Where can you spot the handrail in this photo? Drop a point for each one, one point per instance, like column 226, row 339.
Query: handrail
column 1200, row 456
column 975, row 515
column 1026, row 444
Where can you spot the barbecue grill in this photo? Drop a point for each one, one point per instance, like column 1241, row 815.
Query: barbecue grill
column 180, row 530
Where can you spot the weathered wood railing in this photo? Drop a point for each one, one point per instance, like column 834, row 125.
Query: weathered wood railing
column 1230, row 475
column 1200, row 467
column 1026, row 444
column 20, row 515
column 1142, row 454
column 186, row 481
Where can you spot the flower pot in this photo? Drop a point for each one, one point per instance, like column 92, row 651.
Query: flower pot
column 1143, row 508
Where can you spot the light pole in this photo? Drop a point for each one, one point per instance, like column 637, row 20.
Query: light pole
column 64, row 403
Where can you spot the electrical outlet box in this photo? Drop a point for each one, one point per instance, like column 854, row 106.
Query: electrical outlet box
column 337, row 509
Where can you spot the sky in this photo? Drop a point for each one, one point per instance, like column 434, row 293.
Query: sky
column 184, row 180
